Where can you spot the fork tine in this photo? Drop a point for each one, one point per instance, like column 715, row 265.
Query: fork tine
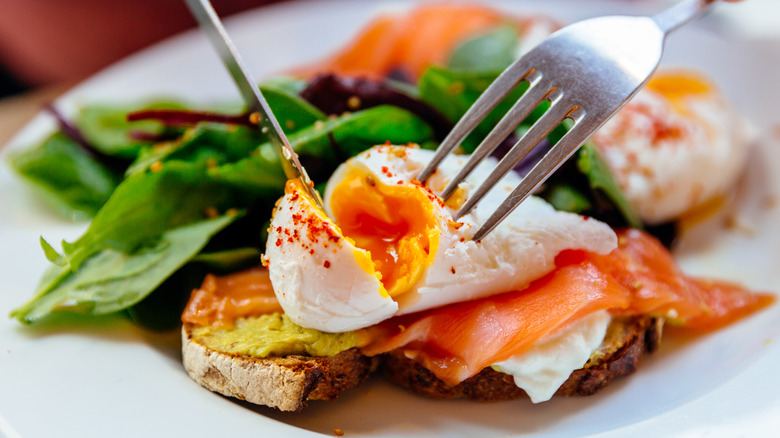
column 536, row 93
column 554, row 158
column 492, row 96
column 549, row 120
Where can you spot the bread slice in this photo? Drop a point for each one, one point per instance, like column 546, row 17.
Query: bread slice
column 618, row 355
column 287, row 383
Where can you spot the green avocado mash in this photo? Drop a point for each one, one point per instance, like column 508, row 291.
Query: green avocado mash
column 273, row 334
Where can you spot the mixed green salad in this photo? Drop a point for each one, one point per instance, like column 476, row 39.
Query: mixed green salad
column 175, row 192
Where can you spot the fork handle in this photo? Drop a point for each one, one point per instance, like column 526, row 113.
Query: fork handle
column 680, row 14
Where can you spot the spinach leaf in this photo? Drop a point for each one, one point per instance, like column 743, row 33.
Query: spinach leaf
column 339, row 94
column 217, row 143
column 584, row 184
column 593, row 166
column 111, row 280
column 259, row 174
column 230, row 260
column 323, row 146
column 147, row 204
column 67, row 176
column 207, row 143
column 489, row 52
column 285, row 84
column 453, row 93
column 107, row 129
column 566, row 198
column 350, row 134
column 155, row 222
column 162, row 309
column 292, row 112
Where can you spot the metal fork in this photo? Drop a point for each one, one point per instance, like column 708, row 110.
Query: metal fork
column 587, row 71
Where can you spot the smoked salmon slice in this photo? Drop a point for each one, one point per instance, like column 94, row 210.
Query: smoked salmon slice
column 659, row 287
column 412, row 42
column 220, row 300
column 639, row 277
column 457, row 341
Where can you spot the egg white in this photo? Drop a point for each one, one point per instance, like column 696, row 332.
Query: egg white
column 541, row 370
column 319, row 280
column 345, row 296
column 665, row 176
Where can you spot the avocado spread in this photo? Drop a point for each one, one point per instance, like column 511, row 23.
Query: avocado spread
column 273, row 334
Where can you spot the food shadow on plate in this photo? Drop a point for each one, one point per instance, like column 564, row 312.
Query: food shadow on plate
column 168, row 343
column 113, row 328
column 378, row 408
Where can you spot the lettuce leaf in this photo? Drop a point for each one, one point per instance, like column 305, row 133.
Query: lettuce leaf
column 489, row 52
column 323, row 146
column 602, row 183
column 454, row 92
column 66, row 175
column 105, row 127
column 111, row 280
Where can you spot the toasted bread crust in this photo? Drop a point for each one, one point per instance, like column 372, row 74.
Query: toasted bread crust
column 286, row 383
column 619, row 355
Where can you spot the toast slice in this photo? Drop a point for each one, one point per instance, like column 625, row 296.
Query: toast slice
column 288, row 382
column 618, row 355
column 285, row 383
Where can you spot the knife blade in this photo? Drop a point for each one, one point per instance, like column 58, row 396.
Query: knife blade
column 260, row 112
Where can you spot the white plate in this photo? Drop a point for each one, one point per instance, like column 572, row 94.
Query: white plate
column 105, row 377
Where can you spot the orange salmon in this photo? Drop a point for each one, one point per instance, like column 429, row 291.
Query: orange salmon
column 639, row 277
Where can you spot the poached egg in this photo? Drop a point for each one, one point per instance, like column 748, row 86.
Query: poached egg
column 674, row 146
column 389, row 246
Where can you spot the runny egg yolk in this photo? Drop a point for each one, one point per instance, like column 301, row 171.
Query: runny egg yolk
column 395, row 224
column 678, row 85
column 322, row 229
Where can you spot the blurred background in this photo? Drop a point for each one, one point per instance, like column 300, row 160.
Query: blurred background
column 48, row 46
column 44, row 42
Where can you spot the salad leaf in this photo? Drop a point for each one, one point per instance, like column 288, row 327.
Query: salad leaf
column 147, row 204
column 286, row 84
column 161, row 310
column 128, row 243
column 68, row 176
column 107, row 129
column 260, row 174
column 566, row 198
column 112, row 280
column 219, row 143
column 453, row 93
column 336, row 95
column 492, row 51
column 292, row 112
column 353, row 133
column 207, row 143
column 593, row 166
column 323, row 146
column 230, row 260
